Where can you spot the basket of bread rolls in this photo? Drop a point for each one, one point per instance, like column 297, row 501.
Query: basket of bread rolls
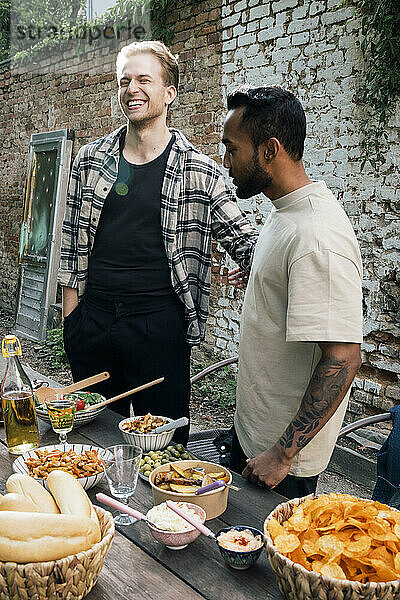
column 52, row 544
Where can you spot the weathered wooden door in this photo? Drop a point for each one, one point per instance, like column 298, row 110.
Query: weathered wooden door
column 39, row 250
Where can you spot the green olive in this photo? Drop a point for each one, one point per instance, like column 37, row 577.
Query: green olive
column 170, row 448
column 180, row 447
column 185, row 456
column 147, row 459
column 164, row 461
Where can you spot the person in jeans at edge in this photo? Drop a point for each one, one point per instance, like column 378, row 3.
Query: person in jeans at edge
column 301, row 325
column 135, row 263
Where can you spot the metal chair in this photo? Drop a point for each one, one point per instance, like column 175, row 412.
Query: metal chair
column 381, row 418
column 212, row 368
column 201, row 442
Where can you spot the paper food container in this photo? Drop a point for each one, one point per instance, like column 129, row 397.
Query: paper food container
column 214, row 502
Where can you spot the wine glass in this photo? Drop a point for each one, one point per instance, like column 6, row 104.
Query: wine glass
column 121, row 465
column 61, row 412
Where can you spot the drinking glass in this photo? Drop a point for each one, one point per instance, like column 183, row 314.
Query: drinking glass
column 121, row 466
column 61, row 413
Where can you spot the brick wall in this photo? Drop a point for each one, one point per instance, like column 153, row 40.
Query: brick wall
column 304, row 46
column 198, row 110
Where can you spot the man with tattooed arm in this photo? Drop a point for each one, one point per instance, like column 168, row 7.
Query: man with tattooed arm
column 301, row 325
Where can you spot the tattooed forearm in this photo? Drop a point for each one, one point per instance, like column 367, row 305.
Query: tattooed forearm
column 326, row 389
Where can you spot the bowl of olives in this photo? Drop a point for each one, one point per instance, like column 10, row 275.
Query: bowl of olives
column 156, row 458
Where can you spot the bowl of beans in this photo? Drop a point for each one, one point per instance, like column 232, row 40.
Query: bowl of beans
column 138, row 431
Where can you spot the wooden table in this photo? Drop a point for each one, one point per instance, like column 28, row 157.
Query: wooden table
column 138, row 567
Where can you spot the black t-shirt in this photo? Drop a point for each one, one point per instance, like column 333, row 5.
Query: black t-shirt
column 128, row 257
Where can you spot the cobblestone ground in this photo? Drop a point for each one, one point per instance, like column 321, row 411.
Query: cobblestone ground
column 333, row 482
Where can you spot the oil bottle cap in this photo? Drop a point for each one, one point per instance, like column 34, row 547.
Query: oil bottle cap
column 8, row 341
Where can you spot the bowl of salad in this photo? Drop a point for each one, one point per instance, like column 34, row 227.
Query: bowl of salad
column 83, row 401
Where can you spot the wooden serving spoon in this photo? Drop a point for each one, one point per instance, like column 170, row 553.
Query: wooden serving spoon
column 42, row 393
column 128, row 393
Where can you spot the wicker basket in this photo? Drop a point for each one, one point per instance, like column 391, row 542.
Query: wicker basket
column 296, row 583
column 69, row 578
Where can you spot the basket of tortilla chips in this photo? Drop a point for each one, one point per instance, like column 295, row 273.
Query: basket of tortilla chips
column 334, row 547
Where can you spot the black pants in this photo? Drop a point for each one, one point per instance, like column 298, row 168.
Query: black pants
column 134, row 348
column 291, row 487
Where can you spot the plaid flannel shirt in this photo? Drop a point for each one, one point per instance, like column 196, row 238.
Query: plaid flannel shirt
column 195, row 205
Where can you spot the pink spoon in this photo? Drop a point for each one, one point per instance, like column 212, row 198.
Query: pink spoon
column 123, row 508
column 202, row 528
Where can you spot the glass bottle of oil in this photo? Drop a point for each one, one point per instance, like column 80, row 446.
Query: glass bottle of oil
column 18, row 403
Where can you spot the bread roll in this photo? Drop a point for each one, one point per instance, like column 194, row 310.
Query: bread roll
column 18, row 502
column 39, row 537
column 34, row 491
column 93, row 516
column 68, row 493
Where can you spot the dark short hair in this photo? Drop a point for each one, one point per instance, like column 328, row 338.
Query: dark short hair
column 271, row 112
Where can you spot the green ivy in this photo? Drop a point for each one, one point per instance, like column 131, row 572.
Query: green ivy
column 159, row 11
column 380, row 26
column 380, row 89
column 53, row 349
column 4, row 29
column 117, row 18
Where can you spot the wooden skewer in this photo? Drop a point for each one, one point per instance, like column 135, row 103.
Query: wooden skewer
column 232, row 487
column 229, row 485
column 137, row 389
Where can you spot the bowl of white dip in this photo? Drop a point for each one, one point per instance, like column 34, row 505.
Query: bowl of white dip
column 170, row 529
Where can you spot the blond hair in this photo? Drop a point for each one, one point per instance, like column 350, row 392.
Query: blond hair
column 168, row 61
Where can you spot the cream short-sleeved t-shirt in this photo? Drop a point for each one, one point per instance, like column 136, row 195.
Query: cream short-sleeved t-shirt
column 304, row 287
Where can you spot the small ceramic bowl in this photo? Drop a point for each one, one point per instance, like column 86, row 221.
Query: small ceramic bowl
column 176, row 540
column 240, row 560
column 146, row 441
